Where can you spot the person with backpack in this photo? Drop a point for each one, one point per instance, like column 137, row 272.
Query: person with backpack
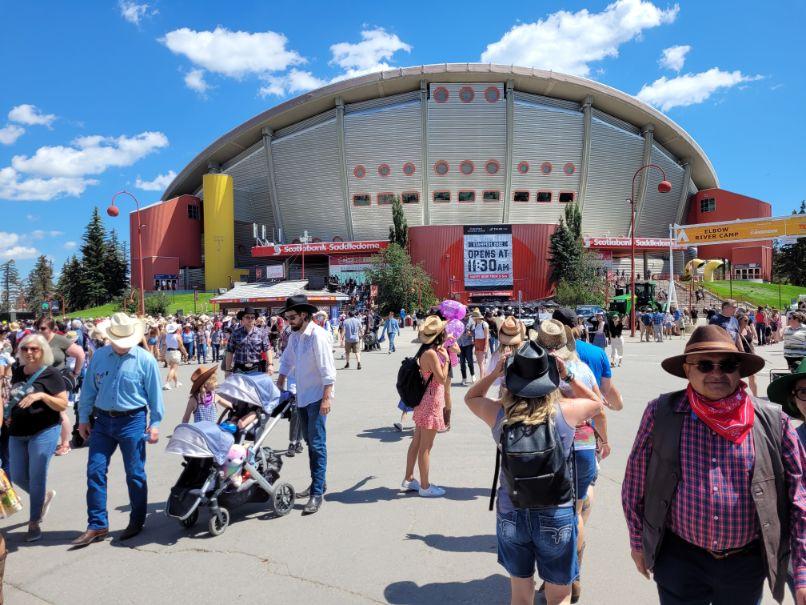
column 533, row 425
column 432, row 411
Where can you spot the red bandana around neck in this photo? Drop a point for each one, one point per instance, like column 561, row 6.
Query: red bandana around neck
column 731, row 417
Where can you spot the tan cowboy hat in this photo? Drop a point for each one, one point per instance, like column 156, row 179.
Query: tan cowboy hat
column 200, row 376
column 476, row 314
column 556, row 336
column 712, row 339
column 431, row 327
column 511, row 332
column 125, row 331
column 14, row 326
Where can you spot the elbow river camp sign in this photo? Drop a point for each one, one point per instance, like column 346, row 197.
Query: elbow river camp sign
column 746, row 230
column 488, row 257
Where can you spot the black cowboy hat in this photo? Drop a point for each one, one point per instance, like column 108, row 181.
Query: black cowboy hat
column 246, row 311
column 780, row 390
column 298, row 302
column 531, row 372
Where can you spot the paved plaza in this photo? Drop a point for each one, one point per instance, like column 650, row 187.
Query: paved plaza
column 368, row 544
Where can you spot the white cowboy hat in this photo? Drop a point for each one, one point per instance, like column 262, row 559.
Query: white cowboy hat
column 171, row 328
column 124, row 331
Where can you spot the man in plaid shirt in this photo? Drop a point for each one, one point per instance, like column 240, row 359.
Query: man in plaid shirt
column 714, row 492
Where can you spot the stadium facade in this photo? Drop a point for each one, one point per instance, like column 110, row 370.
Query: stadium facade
column 484, row 159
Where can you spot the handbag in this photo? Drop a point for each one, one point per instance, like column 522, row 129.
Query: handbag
column 19, row 393
column 10, row 503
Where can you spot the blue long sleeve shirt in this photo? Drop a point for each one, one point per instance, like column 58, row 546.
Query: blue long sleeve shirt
column 118, row 383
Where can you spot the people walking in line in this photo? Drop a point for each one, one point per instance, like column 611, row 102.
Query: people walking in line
column 202, row 342
column 33, row 413
column 727, row 321
column 216, row 336
column 429, row 415
column 122, row 394
column 713, row 491
column 189, row 342
column 174, row 353
column 536, row 522
column 353, row 332
column 247, row 345
column 481, row 340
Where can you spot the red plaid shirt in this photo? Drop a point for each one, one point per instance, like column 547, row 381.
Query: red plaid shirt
column 713, row 507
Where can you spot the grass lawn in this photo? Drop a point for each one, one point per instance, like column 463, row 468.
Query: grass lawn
column 755, row 293
column 181, row 300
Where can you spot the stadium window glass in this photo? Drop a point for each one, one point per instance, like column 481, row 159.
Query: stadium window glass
column 362, row 199
column 442, row 196
column 492, row 196
column 520, row 196
column 543, row 196
column 467, row 196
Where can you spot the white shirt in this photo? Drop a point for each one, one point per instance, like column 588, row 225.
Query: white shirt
column 309, row 359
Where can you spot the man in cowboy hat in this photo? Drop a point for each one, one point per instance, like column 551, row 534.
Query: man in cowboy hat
column 713, row 492
column 247, row 345
column 121, row 390
column 308, row 359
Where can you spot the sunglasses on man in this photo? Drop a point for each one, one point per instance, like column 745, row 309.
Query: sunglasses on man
column 706, row 366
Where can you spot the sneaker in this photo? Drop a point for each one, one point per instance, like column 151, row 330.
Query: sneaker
column 178, row 384
column 49, row 495
column 34, row 533
column 432, row 492
column 464, row 382
column 166, row 387
column 411, row 486
column 398, row 426
column 359, row 366
column 473, row 379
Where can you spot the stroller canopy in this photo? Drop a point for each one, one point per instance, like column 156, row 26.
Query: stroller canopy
column 256, row 389
column 201, row 440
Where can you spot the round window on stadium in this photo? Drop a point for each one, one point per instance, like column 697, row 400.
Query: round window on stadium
column 569, row 168
column 409, row 168
column 359, row 172
column 466, row 94
column 384, row 170
column 441, row 94
column 492, row 94
column 441, row 168
column 545, row 167
column 523, row 167
column 466, row 167
column 492, row 167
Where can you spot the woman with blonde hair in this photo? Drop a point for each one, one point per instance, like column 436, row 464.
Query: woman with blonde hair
column 536, row 523
column 511, row 336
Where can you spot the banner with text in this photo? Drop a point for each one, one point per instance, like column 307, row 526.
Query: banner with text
column 751, row 230
column 488, row 257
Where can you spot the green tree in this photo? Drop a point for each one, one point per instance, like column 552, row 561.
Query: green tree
column 11, row 285
column 789, row 262
column 40, row 284
column 573, row 270
column 93, row 262
column 69, row 284
column 399, row 229
column 401, row 283
column 116, row 267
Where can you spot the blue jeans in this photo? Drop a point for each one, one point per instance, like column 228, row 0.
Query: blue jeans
column 202, row 352
column 391, row 341
column 216, row 352
column 128, row 432
column 190, row 347
column 313, row 430
column 30, row 457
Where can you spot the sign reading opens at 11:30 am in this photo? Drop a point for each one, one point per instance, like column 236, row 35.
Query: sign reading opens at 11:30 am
column 488, row 257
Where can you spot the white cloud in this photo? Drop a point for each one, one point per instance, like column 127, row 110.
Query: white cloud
column 90, row 155
column 41, row 234
column 32, row 217
column 30, row 115
column 376, row 47
column 674, row 57
column 690, row 89
column 233, row 54
column 17, row 187
column 10, row 133
column 159, row 183
column 568, row 42
column 10, row 248
column 292, row 82
column 194, row 80
column 134, row 12
column 71, row 245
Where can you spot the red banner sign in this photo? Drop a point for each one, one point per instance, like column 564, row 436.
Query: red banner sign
column 328, row 248
column 626, row 242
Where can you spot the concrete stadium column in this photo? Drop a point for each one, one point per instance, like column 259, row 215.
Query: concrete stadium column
column 510, row 99
column 682, row 202
column 586, row 151
column 426, row 201
column 648, row 132
column 219, row 231
column 345, row 193
column 273, row 199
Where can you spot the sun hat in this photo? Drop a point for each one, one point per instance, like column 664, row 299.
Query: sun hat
column 298, row 302
column 556, row 336
column 200, row 376
column 531, row 372
column 14, row 326
column 171, row 328
column 476, row 314
column 125, row 331
column 76, row 324
column 431, row 327
column 712, row 339
column 780, row 390
column 511, row 332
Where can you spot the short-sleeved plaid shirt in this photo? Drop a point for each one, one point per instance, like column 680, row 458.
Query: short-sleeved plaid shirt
column 248, row 347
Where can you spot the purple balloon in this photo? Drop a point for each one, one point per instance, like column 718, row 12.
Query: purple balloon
column 453, row 309
column 454, row 328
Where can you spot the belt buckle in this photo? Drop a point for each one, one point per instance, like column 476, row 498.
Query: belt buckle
column 720, row 556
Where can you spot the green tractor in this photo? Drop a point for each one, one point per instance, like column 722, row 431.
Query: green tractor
column 644, row 297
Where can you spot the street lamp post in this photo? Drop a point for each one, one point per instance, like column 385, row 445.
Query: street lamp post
column 114, row 211
column 663, row 187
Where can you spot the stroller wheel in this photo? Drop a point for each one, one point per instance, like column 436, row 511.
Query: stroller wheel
column 283, row 499
column 191, row 520
column 218, row 523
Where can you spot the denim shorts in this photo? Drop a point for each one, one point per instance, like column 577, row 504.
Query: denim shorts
column 585, row 471
column 545, row 538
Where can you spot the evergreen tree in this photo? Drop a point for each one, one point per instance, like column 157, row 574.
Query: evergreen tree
column 10, row 284
column 565, row 246
column 69, row 284
column 789, row 262
column 40, row 284
column 93, row 262
column 116, row 269
column 401, row 284
column 399, row 229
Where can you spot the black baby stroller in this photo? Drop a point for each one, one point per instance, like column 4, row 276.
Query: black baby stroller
column 371, row 341
column 212, row 476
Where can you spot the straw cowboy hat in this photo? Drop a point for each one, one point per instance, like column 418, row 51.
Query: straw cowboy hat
column 476, row 314
column 780, row 390
column 511, row 332
column 171, row 328
column 556, row 336
column 124, row 331
column 431, row 327
column 200, row 376
column 712, row 339
column 531, row 372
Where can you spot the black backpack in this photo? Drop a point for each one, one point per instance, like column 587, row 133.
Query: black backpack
column 536, row 470
column 410, row 384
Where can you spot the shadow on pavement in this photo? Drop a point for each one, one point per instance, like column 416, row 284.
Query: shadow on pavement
column 355, row 495
column 492, row 589
column 384, row 434
column 480, row 543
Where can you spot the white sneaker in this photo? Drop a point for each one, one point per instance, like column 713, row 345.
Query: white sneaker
column 432, row 492
column 473, row 379
column 49, row 495
column 178, row 384
column 464, row 382
column 166, row 387
column 411, row 486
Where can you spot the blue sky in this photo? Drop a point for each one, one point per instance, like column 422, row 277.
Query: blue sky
column 98, row 96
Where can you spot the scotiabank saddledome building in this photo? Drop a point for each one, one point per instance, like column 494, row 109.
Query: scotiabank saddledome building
column 484, row 159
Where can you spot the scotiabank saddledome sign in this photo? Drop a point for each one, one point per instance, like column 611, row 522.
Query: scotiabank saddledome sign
column 615, row 243
column 326, row 248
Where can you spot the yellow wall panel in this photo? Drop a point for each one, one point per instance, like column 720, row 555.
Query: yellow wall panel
column 219, row 231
